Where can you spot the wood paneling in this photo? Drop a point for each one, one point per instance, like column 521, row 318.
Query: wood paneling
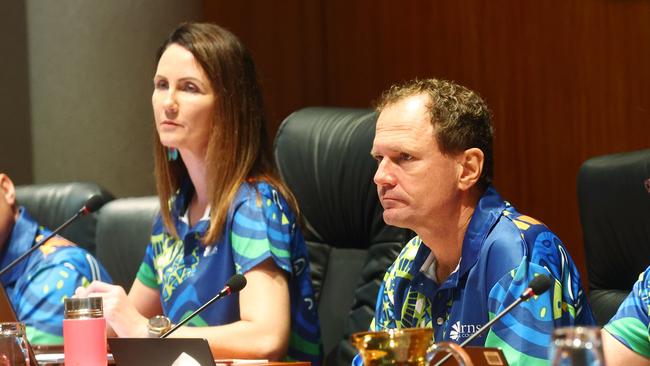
column 566, row 80
column 286, row 40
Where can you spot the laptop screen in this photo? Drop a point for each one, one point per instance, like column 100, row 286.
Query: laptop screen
column 159, row 351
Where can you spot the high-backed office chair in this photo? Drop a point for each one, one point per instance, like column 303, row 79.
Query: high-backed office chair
column 123, row 232
column 323, row 155
column 614, row 200
column 52, row 204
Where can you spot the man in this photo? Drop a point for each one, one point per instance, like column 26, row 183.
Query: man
column 474, row 254
column 37, row 286
column 626, row 338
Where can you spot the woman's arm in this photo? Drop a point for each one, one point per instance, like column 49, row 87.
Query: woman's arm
column 617, row 354
column 264, row 309
column 145, row 299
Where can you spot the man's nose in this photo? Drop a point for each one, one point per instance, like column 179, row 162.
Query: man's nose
column 384, row 174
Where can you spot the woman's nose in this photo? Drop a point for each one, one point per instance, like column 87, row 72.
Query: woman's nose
column 170, row 104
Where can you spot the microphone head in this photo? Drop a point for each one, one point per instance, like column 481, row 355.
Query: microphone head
column 236, row 283
column 540, row 284
column 92, row 204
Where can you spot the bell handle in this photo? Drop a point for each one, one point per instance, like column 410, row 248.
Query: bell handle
column 452, row 350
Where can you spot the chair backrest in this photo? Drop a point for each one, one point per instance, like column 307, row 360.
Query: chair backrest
column 614, row 201
column 123, row 232
column 323, row 154
column 52, row 204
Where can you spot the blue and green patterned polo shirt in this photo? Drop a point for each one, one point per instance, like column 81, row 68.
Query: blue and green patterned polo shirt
column 259, row 225
column 37, row 286
column 631, row 324
column 502, row 252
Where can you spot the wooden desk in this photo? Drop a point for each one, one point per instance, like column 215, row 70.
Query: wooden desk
column 59, row 349
column 270, row 363
column 217, row 363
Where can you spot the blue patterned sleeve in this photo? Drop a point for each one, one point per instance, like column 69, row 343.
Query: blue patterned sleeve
column 388, row 314
column 384, row 307
column 524, row 333
column 39, row 300
column 262, row 229
column 631, row 323
column 147, row 273
column 384, row 310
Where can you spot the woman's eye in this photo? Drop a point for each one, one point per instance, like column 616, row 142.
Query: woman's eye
column 191, row 88
column 161, row 84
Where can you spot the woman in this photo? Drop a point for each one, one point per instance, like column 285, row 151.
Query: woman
column 223, row 211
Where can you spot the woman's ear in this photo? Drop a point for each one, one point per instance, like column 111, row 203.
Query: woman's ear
column 471, row 167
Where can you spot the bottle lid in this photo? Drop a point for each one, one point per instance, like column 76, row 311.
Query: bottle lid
column 83, row 307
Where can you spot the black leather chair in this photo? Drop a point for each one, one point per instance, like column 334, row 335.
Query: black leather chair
column 614, row 201
column 52, row 204
column 323, row 155
column 123, row 232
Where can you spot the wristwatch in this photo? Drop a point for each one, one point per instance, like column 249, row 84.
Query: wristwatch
column 158, row 325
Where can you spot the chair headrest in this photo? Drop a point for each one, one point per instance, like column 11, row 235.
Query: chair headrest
column 123, row 232
column 323, row 154
column 615, row 215
column 52, row 204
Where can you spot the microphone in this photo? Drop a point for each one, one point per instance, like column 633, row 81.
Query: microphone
column 537, row 286
column 92, row 204
column 235, row 284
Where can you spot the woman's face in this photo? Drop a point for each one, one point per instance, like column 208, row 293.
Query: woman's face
column 183, row 101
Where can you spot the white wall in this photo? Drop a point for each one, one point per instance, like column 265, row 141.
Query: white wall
column 15, row 126
column 90, row 69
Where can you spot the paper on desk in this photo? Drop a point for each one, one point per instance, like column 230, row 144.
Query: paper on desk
column 49, row 357
column 185, row 360
column 238, row 361
column 58, row 357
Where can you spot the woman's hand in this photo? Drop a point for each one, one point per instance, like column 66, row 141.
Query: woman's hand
column 119, row 312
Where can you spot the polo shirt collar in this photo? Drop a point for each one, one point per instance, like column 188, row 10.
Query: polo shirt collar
column 180, row 204
column 488, row 210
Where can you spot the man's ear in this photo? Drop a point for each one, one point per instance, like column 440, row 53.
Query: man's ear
column 471, row 167
column 7, row 190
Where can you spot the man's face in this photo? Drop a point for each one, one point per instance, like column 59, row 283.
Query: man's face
column 415, row 181
column 7, row 212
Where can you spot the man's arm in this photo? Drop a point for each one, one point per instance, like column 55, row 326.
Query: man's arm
column 54, row 278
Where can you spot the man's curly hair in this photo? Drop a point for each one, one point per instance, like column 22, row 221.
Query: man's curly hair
column 460, row 117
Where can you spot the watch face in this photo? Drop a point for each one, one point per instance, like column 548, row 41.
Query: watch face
column 160, row 321
column 158, row 325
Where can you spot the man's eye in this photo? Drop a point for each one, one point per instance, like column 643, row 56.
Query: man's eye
column 378, row 158
column 405, row 157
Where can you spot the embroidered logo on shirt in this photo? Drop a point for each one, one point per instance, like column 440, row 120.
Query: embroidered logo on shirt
column 461, row 331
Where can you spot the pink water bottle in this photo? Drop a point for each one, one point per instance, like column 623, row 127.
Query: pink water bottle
column 84, row 332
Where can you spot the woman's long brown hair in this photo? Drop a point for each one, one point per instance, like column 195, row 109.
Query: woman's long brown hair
column 238, row 148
